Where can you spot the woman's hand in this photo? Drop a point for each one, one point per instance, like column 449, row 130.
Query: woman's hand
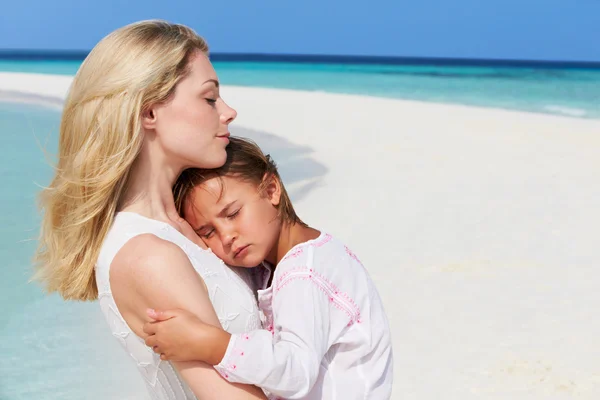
column 179, row 335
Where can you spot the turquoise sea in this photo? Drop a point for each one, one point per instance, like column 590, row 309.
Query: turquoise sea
column 55, row 350
column 572, row 91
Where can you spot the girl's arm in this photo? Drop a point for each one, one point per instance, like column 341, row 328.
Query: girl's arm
column 286, row 358
column 148, row 272
column 286, row 365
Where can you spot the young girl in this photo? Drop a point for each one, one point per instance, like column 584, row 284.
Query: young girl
column 326, row 333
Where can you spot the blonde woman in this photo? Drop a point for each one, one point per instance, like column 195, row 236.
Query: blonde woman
column 143, row 106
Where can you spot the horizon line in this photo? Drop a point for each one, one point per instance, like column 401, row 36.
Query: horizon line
column 79, row 55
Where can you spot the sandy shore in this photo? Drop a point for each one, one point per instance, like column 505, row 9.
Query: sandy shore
column 481, row 228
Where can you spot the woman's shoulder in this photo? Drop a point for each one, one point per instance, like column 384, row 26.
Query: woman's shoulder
column 147, row 238
column 137, row 245
column 147, row 256
column 147, row 247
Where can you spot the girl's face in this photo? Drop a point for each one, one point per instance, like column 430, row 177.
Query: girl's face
column 238, row 223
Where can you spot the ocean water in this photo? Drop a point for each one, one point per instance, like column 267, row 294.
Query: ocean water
column 548, row 89
column 56, row 350
column 50, row 349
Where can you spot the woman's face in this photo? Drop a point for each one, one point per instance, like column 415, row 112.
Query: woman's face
column 193, row 125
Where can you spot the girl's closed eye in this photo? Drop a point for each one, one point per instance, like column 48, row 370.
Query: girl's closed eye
column 210, row 101
column 206, row 233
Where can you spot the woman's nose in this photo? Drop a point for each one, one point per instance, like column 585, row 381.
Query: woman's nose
column 228, row 114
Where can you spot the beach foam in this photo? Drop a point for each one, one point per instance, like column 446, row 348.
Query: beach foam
column 572, row 112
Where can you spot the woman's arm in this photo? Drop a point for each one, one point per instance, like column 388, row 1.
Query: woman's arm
column 287, row 366
column 149, row 272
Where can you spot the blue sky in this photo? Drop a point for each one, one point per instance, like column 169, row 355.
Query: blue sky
column 508, row 29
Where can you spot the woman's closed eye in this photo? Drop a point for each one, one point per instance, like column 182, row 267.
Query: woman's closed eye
column 210, row 101
column 233, row 214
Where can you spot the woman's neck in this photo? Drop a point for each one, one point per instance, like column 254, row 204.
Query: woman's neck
column 290, row 236
column 149, row 189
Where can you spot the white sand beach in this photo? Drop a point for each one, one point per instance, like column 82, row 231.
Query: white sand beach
column 480, row 227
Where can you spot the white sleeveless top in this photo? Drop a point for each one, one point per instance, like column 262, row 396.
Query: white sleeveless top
column 230, row 292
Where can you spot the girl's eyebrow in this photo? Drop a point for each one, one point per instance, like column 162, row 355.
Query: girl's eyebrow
column 225, row 210
column 200, row 228
column 222, row 213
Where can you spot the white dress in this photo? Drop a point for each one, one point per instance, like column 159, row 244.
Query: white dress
column 230, row 293
column 327, row 335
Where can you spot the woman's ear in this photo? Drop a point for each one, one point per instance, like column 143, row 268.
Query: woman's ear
column 273, row 189
column 149, row 118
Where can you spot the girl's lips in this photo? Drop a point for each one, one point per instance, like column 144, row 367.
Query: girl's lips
column 241, row 251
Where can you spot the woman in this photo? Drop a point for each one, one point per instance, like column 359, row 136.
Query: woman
column 143, row 106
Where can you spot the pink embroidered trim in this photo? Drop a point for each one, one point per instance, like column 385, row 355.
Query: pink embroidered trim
column 300, row 250
column 339, row 299
column 353, row 256
column 269, row 322
column 286, row 274
column 294, row 253
column 233, row 357
column 326, row 239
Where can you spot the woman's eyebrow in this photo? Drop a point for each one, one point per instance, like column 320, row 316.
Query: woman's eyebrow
column 214, row 81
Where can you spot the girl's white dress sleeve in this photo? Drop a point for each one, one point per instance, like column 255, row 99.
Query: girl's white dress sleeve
column 289, row 365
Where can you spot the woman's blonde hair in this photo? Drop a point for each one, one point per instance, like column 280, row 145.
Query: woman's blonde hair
column 129, row 70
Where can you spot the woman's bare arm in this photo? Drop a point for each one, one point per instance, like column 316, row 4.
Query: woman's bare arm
column 149, row 272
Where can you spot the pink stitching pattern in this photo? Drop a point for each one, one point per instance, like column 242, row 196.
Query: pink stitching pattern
column 236, row 353
column 294, row 253
column 287, row 273
column 269, row 322
column 353, row 256
column 339, row 299
column 300, row 250
column 323, row 241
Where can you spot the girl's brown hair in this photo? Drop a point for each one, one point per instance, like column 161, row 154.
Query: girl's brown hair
column 245, row 161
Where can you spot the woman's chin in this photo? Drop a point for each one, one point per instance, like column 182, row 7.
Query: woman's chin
column 215, row 161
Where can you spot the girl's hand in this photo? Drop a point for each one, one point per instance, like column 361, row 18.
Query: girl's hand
column 179, row 335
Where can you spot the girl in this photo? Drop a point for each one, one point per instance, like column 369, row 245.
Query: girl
column 326, row 336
